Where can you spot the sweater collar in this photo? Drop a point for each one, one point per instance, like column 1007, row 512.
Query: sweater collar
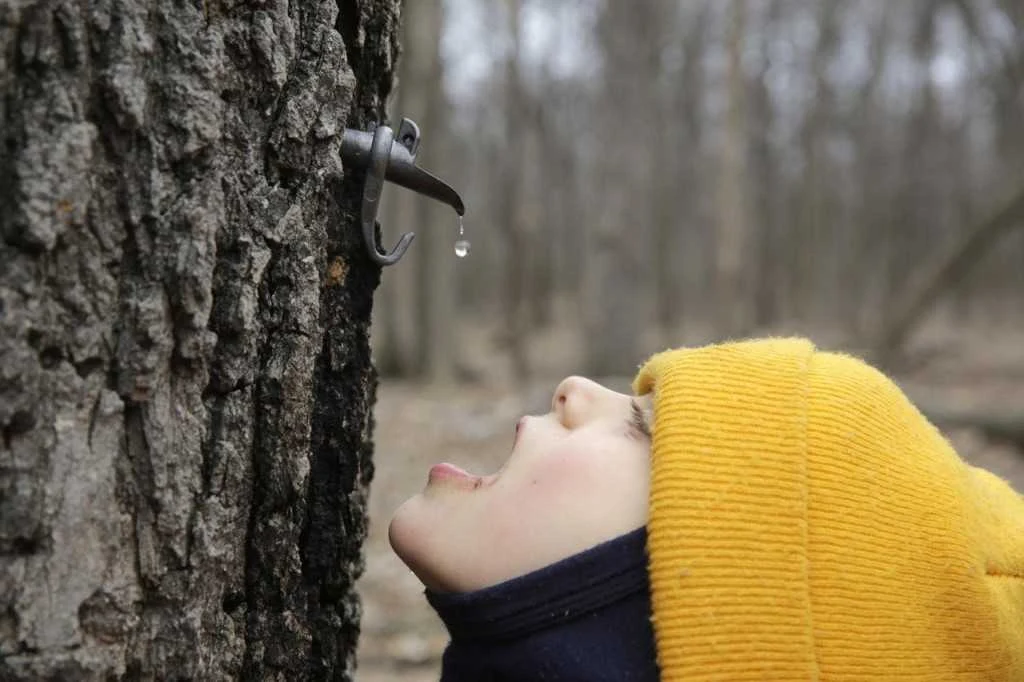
column 579, row 585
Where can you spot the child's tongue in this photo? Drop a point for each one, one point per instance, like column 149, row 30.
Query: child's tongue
column 448, row 470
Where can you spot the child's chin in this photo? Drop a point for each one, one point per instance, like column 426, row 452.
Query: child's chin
column 404, row 543
column 398, row 533
column 407, row 534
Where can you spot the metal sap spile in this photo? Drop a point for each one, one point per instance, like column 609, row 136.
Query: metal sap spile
column 386, row 158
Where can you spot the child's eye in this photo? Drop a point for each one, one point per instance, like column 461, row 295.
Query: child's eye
column 638, row 419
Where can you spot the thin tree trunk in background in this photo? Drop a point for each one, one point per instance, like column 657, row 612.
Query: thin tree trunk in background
column 732, row 234
column 619, row 301
column 412, row 327
column 435, row 224
column 679, row 121
column 669, row 219
column 764, row 187
column 548, row 183
column 915, row 231
column 690, row 264
column 809, row 277
column 510, row 192
column 568, row 223
column 866, row 265
column 185, row 380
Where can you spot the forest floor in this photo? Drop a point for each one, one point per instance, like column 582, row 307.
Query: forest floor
column 472, row 425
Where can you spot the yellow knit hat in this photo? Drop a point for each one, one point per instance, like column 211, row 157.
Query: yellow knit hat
column 807, row 522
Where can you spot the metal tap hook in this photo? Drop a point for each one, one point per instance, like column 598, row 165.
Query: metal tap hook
column 386, row 160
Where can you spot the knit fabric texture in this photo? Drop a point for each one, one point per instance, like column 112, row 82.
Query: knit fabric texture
column 807, row 522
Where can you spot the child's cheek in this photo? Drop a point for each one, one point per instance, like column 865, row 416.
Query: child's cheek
column 535, row 493
column 554, row 482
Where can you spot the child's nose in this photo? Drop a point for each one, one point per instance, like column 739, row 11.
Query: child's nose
column 577, row 400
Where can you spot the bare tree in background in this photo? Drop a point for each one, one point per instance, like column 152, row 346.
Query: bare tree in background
column 414, row 330
column 703, row 169
column 765, row 200
column 185, row 379
column 677, row 158
column 435, row 223
column 617, row 296
column 732, row 241
column 510, row 196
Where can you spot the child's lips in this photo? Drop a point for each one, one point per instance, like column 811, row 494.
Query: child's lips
column 448, row 473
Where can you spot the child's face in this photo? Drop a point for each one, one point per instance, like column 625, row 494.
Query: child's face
column 576, row 477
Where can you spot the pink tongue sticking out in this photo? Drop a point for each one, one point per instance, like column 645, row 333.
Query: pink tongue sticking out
column 447, row 470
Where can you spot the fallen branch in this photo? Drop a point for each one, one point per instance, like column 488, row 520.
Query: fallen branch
column 941, row 275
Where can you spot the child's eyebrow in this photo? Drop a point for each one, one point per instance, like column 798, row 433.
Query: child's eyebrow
column 640, row 418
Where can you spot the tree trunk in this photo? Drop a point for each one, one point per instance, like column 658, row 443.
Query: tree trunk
column 809, row 269
column 516, row 325
column 435, row 224
column 618, row 300
column 679, row 173
column 413, row 333
column 733, row 231
column 764, row 187
column 185, row 381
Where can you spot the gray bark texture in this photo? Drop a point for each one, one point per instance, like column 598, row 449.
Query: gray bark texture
column 185, row 379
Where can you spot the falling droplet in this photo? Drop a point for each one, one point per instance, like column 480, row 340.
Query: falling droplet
column 461, row 245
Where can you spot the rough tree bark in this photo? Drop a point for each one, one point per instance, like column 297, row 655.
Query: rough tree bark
column 185, row 381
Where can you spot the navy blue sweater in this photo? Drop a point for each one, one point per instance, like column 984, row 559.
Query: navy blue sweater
column 584, row 618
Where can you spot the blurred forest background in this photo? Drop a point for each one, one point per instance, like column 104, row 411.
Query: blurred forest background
column 641, row 174
column 646, row 174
